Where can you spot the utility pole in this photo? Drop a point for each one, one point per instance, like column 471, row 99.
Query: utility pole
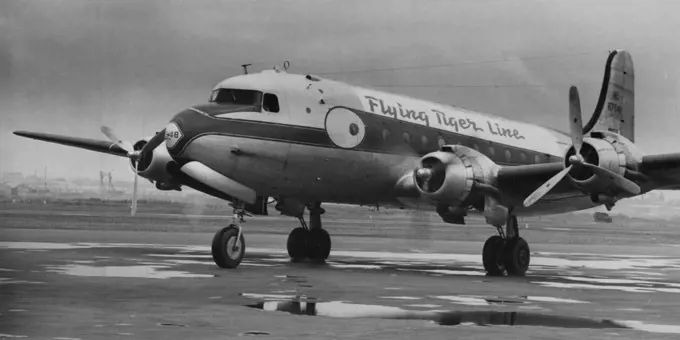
column 245, row 68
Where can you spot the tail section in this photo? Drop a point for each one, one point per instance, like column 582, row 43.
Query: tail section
column 615, row 109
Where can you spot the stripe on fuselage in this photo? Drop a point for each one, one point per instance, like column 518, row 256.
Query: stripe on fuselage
column 383, row 135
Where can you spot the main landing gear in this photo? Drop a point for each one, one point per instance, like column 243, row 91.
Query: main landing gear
column 506, row 251
column 229, row 245
column 310, row 241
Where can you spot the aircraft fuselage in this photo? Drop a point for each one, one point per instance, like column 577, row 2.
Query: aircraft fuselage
column 331, row 142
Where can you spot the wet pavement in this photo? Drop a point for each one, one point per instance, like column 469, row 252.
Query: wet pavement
column 81, row 289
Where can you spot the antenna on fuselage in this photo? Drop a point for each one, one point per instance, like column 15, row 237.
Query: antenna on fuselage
column 245, row 68
column 286, row 65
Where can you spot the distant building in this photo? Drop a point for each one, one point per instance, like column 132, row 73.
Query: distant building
column 5, row 190
column 602, row 217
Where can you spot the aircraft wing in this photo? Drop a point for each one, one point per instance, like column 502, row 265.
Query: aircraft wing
column 663, row 170
column 102, row 146
column 522, row 180
column 658, row 172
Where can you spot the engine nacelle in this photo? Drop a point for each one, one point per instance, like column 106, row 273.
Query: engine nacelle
column 153, row 166
column 456, row 176
column 607, row 150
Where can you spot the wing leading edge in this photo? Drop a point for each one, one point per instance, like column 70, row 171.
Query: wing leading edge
column 660, row 171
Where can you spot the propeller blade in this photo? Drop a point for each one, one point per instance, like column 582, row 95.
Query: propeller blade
column 575, row 122
column 614, row 179
column 134, row 193
column 114, row 138
column 154, row 142
column 546, row 187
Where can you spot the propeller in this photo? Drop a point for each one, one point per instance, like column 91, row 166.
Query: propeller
column 577, row 160
column 134, row 155
column 424, row 175
column 430, row 175
column 113, row 136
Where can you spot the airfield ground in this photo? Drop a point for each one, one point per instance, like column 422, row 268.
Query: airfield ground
column 91, row 271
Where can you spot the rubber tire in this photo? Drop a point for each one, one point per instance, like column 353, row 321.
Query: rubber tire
column 297, row 243
column 517, row 256
column 319, row 244
column 219, row 248
column 492, row 255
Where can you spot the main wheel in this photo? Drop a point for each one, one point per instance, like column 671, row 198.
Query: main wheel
column 297, row 243
column 227, row 252
column 319, row 244
column 492, row 255
column 517, row 256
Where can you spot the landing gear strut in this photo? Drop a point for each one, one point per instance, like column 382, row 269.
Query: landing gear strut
column 229, row 245
column 506, row 252
column 310, row 241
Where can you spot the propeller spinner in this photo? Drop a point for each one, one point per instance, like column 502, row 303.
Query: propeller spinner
column 577, row 160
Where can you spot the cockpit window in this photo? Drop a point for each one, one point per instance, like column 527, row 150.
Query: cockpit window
column 234, row 96
column 270, row 103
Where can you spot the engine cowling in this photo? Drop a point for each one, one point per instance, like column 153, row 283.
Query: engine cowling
column 607, row 150
column 153, row 165
column 455, row 176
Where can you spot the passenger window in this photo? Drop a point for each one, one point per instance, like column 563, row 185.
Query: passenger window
column 508, row 156
column 270, row 103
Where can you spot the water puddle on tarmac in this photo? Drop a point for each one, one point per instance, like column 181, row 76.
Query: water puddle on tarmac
column 340, row 309
column 629, row 289
column 8, row 280
column 151, row 272
column 474, row 300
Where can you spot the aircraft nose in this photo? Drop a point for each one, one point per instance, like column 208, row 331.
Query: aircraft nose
column 181, row 129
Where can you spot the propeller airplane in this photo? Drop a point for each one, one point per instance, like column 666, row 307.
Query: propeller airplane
column 300, row 140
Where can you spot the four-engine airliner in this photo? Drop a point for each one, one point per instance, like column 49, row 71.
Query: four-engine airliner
column 300, row 140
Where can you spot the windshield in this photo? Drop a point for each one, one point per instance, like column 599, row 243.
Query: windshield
column 233, row 96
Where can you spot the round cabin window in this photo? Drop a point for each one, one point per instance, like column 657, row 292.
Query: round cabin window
column 386, row 134
column 407, row 138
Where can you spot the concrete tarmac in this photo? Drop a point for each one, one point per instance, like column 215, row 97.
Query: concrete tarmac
column 83, row 284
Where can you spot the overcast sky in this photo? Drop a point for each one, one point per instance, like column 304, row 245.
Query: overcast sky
column 70, row 66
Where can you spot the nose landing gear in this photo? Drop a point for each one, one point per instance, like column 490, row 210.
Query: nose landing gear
column 229, row 245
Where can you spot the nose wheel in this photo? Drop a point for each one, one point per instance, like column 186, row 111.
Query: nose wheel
column 229, row 245
column 506, row 252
